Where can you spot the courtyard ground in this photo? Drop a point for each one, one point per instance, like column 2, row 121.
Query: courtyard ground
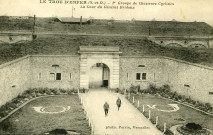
column 41, row 116
column 127, row 121
column 160, row 107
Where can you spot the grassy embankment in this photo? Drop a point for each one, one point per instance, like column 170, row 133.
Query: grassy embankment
column 130, row 46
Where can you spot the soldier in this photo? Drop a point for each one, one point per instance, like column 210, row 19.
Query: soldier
column 118, row 102
column 106, row 108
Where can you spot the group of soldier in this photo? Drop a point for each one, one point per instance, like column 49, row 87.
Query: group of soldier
column 106, row 106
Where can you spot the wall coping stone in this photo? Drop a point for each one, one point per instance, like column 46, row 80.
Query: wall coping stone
column 99, row 49
column 28, row 56
column 54, row 55
column 156, row 57
column 182, row 37
column 13, row 61
column 169, row 58
column 100, row 52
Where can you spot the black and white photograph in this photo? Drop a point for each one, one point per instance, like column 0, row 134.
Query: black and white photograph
column 106, row 67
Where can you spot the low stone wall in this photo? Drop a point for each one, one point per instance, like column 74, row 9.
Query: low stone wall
column 34, row 72
column 43, row 66
column 190, row 42
column 7, row 38
column 14, row 78
column 189, row 79
column 130, row 66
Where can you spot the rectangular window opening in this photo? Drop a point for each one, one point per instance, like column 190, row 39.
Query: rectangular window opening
column 138, row 76
column 58, row 76
column 127, row 76
column 52, row 76
column 143, row 76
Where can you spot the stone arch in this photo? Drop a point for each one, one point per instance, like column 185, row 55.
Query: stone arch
column 197, row 45
column 102, row 75
column 174, row 45
column 91, row 62
column 99, row 54
column 112, row 63
column 108, row 62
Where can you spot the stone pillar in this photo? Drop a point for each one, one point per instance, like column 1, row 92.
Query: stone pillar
column 83, row 73
column 115, row 73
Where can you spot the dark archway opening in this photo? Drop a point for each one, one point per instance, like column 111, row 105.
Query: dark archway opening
column 99, row 76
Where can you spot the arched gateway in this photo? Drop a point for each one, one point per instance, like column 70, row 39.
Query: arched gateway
column 96, row 60
column 99, row 75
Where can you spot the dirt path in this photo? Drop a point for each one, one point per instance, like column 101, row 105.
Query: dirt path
column 117, row 122
column 69, row 33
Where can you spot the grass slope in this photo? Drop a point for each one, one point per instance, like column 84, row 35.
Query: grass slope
column 130, row 46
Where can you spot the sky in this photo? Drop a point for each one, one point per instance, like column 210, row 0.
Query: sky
column 180, row 10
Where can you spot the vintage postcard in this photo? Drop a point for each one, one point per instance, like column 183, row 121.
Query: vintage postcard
column 106, row 67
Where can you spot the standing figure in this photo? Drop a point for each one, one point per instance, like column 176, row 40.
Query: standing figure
column 106, row 108
column 118, row 102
